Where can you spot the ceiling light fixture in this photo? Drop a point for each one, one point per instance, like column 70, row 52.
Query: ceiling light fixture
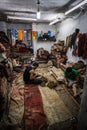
column 38, row 9
column 38, row 14
column 76, row 7
column 21, row 18
column 55, row 21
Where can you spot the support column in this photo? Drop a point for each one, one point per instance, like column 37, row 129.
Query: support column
column 33, row 40
column 82, row 125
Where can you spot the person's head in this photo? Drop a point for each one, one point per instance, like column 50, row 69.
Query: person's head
column 63, row 54
column 35, row 65
column 59, row 55
column 69, row 70
column 77, row 30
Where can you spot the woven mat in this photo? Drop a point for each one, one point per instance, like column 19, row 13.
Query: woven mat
column 54, row 107
column 71, row 104
column 59, row 105
column 16, row 109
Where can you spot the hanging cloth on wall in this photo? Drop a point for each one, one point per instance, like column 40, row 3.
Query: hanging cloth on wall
column 34, row 35
column 85, row 47
column 20, row 35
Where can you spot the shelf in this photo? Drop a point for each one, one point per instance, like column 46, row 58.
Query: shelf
column 45, row 41
column 50, row 39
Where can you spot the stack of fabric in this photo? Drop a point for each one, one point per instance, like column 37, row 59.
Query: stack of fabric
column 58, row 51
column 42, row 54
column 81, row 67
column 4, row 75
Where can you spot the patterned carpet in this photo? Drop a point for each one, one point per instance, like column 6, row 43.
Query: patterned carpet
column 34, row 116
column 42, row 108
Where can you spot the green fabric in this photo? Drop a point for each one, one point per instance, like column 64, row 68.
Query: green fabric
column 72, row 75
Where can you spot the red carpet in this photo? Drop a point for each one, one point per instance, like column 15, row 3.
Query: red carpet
column 34, row 116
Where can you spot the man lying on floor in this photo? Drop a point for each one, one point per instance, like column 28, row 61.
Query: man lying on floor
column 30, row 77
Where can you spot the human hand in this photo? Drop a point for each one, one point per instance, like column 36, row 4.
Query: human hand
column 66, row 83
column 38, row 74
column 70, row 84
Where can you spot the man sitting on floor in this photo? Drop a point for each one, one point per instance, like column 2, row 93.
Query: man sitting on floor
column 29, row 75
column 71, row 76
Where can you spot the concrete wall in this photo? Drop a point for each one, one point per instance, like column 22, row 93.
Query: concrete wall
column 82, row 123
column 3, row 26
column 67, row 27
column 19, row 26
column 43, row 27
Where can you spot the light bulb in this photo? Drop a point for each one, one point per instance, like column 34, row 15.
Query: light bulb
column 38, row 14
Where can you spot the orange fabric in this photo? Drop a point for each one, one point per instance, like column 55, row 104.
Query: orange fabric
column 34, row 35
column 20, row 35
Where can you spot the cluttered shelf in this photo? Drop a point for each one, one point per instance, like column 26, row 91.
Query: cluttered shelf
column 46, row 39
column 47, row 36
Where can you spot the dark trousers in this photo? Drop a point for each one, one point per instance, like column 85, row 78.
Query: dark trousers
column 35, row 81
